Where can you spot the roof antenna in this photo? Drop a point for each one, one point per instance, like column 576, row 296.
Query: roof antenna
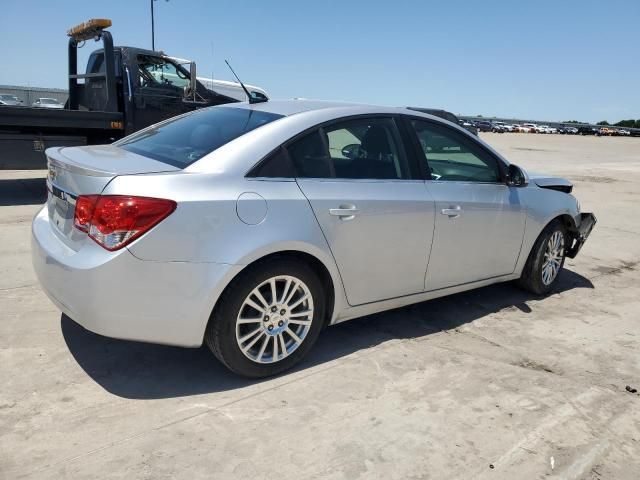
column 251, row 98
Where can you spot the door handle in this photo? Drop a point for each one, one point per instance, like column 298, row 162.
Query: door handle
column 452, row 212
column 345, row 212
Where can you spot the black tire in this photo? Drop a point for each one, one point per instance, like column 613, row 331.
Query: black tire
column 531, row 279
column 220, row 335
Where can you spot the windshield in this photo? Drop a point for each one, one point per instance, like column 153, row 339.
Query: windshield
column 184, row 140
column 49, row 101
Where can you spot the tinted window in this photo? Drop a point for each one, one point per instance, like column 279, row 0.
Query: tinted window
column 366, row 148
column 276, row 165
column 310, row 157
column 96, row 63
column 452, row 157
column 184, row 140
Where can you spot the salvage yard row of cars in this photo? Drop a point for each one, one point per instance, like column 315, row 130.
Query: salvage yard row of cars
column 43, row 102
column 502, row 127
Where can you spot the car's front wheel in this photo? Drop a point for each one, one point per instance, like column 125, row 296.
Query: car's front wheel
column 268, row 318
column 546, row 260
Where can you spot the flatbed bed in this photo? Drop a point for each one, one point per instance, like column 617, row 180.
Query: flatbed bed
column 58, row 119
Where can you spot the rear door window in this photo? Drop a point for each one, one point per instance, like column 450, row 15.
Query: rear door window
column 366, row 148
column 184, row 140
column 362, row 148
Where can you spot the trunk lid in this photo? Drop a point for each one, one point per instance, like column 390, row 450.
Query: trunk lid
column 75, row 171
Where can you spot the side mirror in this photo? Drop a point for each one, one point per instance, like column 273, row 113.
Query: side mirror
column 351, row 151
column 516, row 177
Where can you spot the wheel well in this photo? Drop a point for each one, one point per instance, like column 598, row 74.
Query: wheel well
column 302, row 257
column 567, row 221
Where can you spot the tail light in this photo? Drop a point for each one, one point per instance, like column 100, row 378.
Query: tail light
column 114, row 221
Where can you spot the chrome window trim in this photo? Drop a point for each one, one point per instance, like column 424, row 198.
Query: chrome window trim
column 465, row 182
column 363, row 180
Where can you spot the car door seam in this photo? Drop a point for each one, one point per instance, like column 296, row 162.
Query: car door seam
column 433, row 235
column 325, row 239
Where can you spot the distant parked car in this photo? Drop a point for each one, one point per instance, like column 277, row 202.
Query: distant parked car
column 47, row 103
column 438, row 112
column 467, row 125
column 8, row 99
column 587, row 130
column 502, row 127
column 624, row 132
column 607, row 132
column 484, row 126
column 529, row 128
column 545, row 129
column 567, row 130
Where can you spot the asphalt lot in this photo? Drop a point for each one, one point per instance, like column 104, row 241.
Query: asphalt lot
column 492, row 383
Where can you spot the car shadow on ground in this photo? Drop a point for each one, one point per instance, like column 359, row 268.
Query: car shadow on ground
column 145, row 371
column 22, row 191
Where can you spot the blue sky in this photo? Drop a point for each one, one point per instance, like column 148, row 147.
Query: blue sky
column 548, row 60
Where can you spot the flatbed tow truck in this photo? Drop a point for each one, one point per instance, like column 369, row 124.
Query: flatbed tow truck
column 123, row 90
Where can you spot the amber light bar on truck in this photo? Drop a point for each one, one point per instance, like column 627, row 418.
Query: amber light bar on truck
column 89, row 29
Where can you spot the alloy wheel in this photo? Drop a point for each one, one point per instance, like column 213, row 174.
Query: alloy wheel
column 274, row 319
column 553, row 257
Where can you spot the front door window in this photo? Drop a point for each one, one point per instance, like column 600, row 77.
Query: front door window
column 157, row 71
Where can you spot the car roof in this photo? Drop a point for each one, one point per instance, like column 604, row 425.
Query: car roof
column 298, row 116
column 299, row 105
column 438, row 112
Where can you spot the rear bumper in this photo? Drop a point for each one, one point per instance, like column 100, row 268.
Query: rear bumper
column 117, row 295
column 587, row 222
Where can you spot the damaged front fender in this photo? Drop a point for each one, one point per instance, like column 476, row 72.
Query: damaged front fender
column 581, row 233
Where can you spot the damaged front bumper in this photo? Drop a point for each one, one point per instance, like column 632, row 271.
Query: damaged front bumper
column 580, row 235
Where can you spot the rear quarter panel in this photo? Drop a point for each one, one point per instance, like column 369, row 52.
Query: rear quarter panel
column 206, row 227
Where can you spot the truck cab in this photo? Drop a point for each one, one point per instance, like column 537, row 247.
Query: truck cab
column 149, row 87
column 123, row 90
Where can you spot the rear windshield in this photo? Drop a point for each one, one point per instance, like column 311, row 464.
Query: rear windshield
column 184, row 140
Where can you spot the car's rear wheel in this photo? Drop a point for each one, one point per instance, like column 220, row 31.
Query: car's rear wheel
column 546, row 260
column 268, row 318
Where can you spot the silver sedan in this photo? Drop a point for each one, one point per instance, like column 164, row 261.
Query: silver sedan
column 252, row 227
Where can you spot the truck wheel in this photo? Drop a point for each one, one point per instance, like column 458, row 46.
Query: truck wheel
column 268, row 318
column 540, row 273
